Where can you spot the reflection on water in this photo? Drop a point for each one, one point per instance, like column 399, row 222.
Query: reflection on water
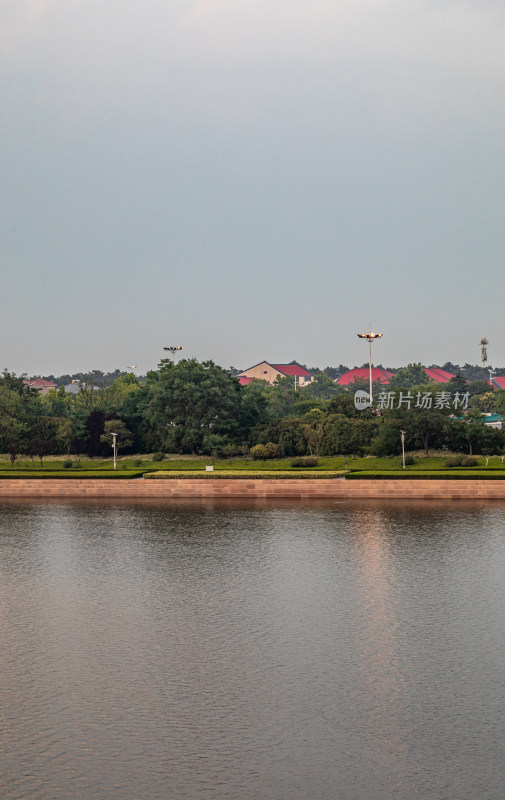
column 262, row 651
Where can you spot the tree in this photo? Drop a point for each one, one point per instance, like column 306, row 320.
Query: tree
column 64, row 434
column 124, row 438
column 409, row 376
column 190, row 400
column 322, row 387
column 12, row 426
column 13, row 454
column 95, row 426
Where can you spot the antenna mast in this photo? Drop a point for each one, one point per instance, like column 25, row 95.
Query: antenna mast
column 483, row 344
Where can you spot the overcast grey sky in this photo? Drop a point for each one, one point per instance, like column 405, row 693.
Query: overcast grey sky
column 251, row 179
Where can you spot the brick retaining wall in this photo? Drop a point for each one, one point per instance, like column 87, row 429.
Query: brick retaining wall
column 332, row 489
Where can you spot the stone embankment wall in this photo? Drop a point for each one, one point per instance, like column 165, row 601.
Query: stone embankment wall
column 264, row 488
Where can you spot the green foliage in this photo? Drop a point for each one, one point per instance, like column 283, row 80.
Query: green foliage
column 408, row 377
column 158, row 456
column 259, row 452
column 304, row 461
column 124, row 438
column 409, row 461
column 190, row 400
column 67, row 464
column 454, row 461
column 469, row 461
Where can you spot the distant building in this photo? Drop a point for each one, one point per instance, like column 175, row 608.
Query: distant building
column 438, row 375
column 382, row 376
column 72, row 388
column 40, row 385
column 493, row 420
column 264, row 371
column 362, row 375
column 498, row 383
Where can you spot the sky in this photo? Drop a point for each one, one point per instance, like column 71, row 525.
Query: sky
column 251, row 179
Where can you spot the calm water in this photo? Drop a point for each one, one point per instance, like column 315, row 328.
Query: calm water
column 234, row 652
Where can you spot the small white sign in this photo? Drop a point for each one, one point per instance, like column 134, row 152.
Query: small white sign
column 209, row 469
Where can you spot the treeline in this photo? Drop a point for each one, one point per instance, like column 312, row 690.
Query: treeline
column 194, row 407
column 96, row 377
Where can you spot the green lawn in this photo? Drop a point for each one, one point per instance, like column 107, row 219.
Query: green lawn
column 137, row 465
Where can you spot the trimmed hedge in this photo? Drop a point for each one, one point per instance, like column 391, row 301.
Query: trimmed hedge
column 68, row 476
column 460, row 474
column 242, row 475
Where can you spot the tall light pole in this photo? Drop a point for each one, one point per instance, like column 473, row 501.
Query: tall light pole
column 370, row 337
column 114, row 446
column 173, row 350
column 403, row 447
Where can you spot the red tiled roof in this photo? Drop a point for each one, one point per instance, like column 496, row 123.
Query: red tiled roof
column 438, row 375
column 40, row 383
column 362, row 375
column 244, row 380
column 292, row 369
column 498, row 383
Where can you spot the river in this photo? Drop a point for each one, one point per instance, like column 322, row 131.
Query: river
column 264, row 651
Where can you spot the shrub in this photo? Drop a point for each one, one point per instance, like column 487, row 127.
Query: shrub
column 454, row 461
column 305, row 461
column 262, row 451
column 469, row 461
column 409, row 461
column 273, row 450
column 137, row 462
column 259, row 452
column 158, row 456
column 68, row 464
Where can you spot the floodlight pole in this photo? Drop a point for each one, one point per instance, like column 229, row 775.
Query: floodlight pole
column 173, row 350
column 370, row 337
column 403, row 447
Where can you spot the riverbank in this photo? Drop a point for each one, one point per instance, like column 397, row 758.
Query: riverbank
column 333, row 489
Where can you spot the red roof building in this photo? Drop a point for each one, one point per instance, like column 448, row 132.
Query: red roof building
column 265, row 371
column 382, row 376
column 498, row 383
column 41, row 385
column 438, row 375
column 362, row 375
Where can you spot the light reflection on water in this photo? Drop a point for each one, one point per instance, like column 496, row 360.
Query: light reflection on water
column 262, row 651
